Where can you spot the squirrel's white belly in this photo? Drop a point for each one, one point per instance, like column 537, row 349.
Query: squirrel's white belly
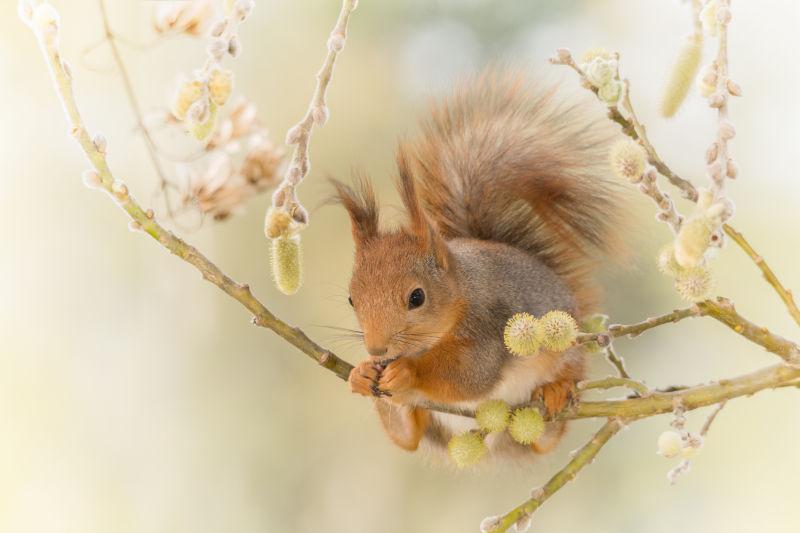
column 520, row 378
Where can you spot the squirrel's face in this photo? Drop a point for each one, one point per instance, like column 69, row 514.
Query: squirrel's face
column 404, row 286
column 403, row 294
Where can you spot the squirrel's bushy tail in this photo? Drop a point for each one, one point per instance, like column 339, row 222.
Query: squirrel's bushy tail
column 504, row 160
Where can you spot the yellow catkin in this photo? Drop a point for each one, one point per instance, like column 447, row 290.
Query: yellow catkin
column 220, row 83
column 287, row 263
column 522, row 335
column 492, row 416
column 277, row 223
column 202, row 130
column 187, row 94
column 694, row 284
column 466, row 449
column 627, row 160
column 526, row 426
column 559, row 330
column 692, row 241
column 682, row 75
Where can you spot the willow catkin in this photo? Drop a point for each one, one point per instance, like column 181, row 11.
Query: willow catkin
column 287, row 263
column 682, row 76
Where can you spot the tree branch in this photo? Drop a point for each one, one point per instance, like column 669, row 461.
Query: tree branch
column 720, row 309
column 111, row 38
column 583, row 457
column 629, row 127
column 769, row 275
column 657, row 402
column 611, row 382
column 146, row 222
column 285, row 196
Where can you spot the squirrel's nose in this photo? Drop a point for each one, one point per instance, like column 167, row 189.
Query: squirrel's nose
column 376, row 351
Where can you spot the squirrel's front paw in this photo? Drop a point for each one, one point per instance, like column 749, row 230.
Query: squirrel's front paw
column 363, row 378
column 399, row 377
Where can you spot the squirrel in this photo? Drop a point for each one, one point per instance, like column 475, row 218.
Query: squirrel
column 508, row 210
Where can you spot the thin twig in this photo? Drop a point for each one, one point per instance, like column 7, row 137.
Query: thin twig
column 145, row 221
column 612, row 382
column 689, row 191
column 152, row 149
column 720, row 309
column 582, row 457
column 769, row 275
column 616, row 361
column 770, row 377
column 711, row 418
column 285, row 196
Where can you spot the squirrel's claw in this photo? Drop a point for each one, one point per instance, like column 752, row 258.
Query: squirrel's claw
column 363, row 379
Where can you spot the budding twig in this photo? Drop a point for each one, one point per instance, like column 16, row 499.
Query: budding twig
column 104, row 179
column 285, row 197
column 769, row 275
column 612, row 382
column 564, row 57
column 583, row 457
column 111, row 38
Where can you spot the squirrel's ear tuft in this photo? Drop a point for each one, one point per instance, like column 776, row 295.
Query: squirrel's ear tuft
column 361, row 205
column 418, row 224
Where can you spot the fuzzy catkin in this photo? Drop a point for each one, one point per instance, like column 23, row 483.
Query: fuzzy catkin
column 559, row 330
column 466, row 449
column 627, row 160
column 682, row 75
column 522, row 335
column 527, row 425
column 287, row 263
column 492, row 416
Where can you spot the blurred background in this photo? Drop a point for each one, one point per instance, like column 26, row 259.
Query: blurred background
column 135, row 397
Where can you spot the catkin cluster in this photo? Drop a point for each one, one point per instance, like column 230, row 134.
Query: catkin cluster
column 600, row 69
column 525, row 425
column 197, row 101
column 525, row 335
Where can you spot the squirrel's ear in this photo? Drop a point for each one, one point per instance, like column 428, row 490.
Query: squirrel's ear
column 419, row 225
column 361, row 205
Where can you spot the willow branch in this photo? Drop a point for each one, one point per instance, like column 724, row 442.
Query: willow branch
column 723, row 311
column 769, row 275
column 144, row 220
column 657, row 402
column 720, row 309
column 612, row 382
column 711, row 418
column 583, row 457
column 111, row 38
column 632, row 128
column 317, row 114
column 616, row 361
column 629, row 127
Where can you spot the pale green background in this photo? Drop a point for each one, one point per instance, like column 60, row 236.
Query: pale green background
column 135, row 397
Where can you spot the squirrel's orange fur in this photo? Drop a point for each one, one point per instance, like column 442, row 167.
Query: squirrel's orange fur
column 508, row 211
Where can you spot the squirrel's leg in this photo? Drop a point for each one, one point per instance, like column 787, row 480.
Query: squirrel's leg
column 432, row 376
column 404, row 425
column 555, row 396
column 552, row 436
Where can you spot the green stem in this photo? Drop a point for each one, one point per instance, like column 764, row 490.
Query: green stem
column 583, row 457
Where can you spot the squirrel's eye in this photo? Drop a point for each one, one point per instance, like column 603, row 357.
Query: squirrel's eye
column 416, row 298
column 350, row 299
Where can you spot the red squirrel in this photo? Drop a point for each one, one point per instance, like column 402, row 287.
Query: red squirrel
column 507, row 211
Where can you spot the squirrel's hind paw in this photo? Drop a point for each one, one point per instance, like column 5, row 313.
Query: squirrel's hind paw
column 555, row 396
